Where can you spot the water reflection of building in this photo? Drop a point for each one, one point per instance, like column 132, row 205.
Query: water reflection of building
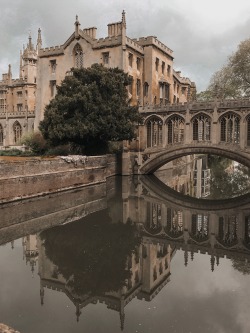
column 189, row 175
column 149, row 266
column 30, row 250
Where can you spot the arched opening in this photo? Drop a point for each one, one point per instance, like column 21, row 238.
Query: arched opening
column 199, row 231
column 174, row 226
column 17, row 129
column 201, row 128
column 78, row 56
column 230, row 128
column 153, row 224
column 154, row 132
column 228, row 228
column 1, row 135
column 175, row 130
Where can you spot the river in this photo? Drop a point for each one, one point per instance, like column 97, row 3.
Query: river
column 131, row 255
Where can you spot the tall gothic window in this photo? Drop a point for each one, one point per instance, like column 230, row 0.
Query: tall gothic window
column 154, row 213
column 1, row 135
column 78, row 54
column 201, row 128
column 200, row 226
column 228, row 228
column 17, row 128
column 174, row 222
column 154, row 132
column 230, row 128
column 175, row 130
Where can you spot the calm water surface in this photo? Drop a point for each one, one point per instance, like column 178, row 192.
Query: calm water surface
column 127, row 256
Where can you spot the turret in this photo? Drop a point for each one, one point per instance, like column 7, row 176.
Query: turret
column 39, row 40
column 29, row 60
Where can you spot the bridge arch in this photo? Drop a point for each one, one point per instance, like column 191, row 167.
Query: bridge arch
column 231, row 151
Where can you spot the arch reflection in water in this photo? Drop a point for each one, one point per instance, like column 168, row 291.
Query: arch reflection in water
column 100, row 259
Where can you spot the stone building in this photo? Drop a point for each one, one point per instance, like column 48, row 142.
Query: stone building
column 18, row 98
column 148, row 62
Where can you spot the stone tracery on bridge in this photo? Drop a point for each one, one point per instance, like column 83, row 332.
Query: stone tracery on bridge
column 167, row 132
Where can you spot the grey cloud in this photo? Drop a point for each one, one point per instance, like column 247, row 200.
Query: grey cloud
column 198, row 52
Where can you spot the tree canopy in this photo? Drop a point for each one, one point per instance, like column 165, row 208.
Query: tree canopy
column 90, row 109
column 233, row 79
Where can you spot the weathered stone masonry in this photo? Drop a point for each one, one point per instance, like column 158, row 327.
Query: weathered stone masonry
column 24, row 177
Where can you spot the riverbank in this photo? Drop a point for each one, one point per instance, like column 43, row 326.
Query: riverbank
column 7, row 329
column 23, row 177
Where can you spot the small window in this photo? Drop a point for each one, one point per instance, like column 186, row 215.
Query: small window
column 105, row 58
column 53, row 66
column 163, row 67
column 130, row 59
column 183, row 90
column 178, row 88
column 53, row 88
column 169, row 70
column 19, row 107
column 145, row 89
column 19, row 94
column 138, row 64
column 157, row 64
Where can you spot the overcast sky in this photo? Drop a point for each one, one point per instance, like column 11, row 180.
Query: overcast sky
column 201, row 33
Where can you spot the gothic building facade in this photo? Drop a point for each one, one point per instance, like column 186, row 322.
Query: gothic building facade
column 148, row 62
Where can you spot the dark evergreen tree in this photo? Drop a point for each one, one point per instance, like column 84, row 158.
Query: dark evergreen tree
column 90, row 109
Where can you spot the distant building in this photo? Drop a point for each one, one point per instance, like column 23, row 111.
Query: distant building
column 148, row 62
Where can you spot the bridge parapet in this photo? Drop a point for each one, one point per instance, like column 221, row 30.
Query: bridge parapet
column 201, row 105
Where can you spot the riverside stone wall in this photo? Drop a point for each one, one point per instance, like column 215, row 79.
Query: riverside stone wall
column 26, row 177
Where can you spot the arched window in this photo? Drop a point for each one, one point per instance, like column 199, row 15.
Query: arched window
column 228, row 229
column 230, row 128
column 78, row 54
column 153, row 223
column 175, row 130
column 174, row 225
column 201, row 128
column 17, row 128
column 1, row 135
column 199, row 227
column 154, row 132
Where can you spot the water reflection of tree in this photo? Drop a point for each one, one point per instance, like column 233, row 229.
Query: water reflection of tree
column 241, row 265
column 91, row 254
column 227, row 181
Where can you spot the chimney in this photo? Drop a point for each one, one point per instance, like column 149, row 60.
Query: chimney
column 91, row 32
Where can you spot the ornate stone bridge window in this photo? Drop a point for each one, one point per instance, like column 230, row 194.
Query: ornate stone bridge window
column 201, row 128
column 78, row 55
column 154, row 132
column 153, row 223
column 230, row 128
column 228, row 227
column 1, row 135
column 199, row 230
column 17, row 128
column 175, row 130
column 174, row 226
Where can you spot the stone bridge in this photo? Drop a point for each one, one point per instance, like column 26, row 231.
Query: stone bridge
column 172, row 131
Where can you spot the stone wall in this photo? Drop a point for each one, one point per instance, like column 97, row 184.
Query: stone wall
column 26, row 177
